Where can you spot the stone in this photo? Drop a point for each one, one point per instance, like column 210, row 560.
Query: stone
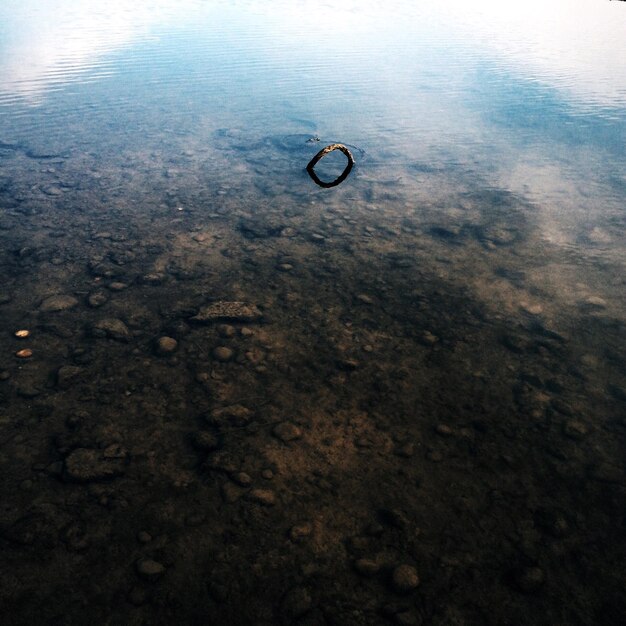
column 231, row 493
column 26, row 353
column 444, row 430
column 223, row 354
column 226, row 331
column 404, row 579
column 265, row 497
column 144, row 537
column 235, row 414
column 149, row 569
column 427, row 338
column 365, row 299
column 575, row 429
column 205, row 440
column 111, row 327
column 166, row 345
column 117, row 286
column 528, row 579
column 242, row 479
column 226, row 310
column 286, row 431
column 67, row 375
column 90, row 465
column 58, row 303
column 97, row 298
column 295, row 603
column 366, row 567
column 300, row 531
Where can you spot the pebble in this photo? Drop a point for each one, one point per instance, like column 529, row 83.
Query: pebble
column 205, row 440
column 242, row 479
column 166, row 345
column 286, row 431
column 529, row 579
column 246, row 332
column 531, row 309
column 231, row 493
column 90, row 465
column 444, row 430
column 144, row 537
column 428, row 339
column 22, row 334
column 265, row 497
column 117, row 286
column 404, row 578
column 223, row 354
column 406, row 450
column 111, row 327
column 295, row 604
column 67, row 375
column 575, row 429
column 149, row 569
column 365, row 299
column 595, row 302
column 97, row 299
column 366, row 567
column 300, row 531
column 235, row 414
column 226, row 331
column 58, row 303
column 317, row 238
column 268, row 474
column 26, row 353
column 284, row 267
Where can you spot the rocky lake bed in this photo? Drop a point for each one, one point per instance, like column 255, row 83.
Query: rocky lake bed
column 241, row 407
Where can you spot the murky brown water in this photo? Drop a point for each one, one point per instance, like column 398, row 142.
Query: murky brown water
column 246, row 399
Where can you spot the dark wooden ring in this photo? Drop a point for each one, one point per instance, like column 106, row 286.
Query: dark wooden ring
column 310, row 168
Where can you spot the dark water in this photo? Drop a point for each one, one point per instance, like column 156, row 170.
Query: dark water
column 252, row 400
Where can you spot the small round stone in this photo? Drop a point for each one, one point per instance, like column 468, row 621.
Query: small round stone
column 226, row 331
column 405, row 578
column 22, row 334
column 166, row 345
column 223, row 353
column 149, row 569
column 24, row 354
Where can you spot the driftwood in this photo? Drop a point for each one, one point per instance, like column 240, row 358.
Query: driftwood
column 310, row 168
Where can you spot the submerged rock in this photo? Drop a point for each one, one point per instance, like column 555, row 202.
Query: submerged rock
column 111, row 327
column 58, row 303
column 224, row 310
column 90, row 465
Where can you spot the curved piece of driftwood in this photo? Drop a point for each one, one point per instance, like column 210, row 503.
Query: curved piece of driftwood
column 310, row 168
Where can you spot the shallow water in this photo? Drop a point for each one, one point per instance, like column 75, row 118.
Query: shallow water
column 430, row 366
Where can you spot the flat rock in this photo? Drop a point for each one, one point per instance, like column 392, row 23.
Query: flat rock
column 225, row 310
column 57, row 303
column 90, row 465
column 111, row 327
